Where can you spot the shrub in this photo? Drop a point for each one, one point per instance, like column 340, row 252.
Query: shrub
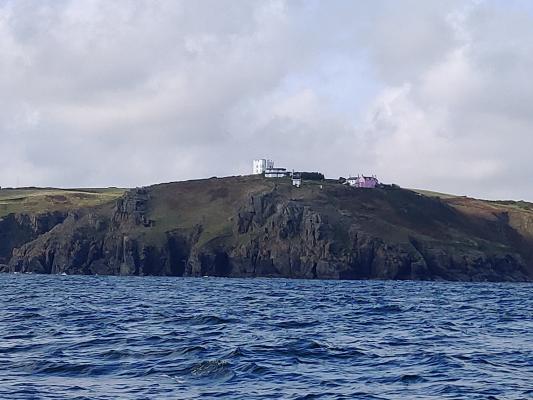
column 312, row 176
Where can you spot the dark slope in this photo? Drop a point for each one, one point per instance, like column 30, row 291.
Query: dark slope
column 251, row 226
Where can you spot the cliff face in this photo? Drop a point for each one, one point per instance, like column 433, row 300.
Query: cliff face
column 287, row 238
column 250, row 226
column 17, row 229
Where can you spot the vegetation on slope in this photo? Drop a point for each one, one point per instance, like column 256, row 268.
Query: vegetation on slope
column 254, row 226
column 42, row 200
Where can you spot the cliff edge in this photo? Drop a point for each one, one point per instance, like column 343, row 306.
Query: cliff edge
column 252, row 226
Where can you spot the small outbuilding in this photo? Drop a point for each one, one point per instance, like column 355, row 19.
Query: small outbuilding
column 296, row 179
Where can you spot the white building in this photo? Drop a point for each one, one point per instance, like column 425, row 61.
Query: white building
column 260, row 166
column 275, row 172
column 296, row 180
column 352, row 180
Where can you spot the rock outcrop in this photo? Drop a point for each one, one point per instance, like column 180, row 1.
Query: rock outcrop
column 249, row 227
column 17, row 229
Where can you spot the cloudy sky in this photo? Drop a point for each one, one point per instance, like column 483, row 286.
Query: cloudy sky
column 426, row 94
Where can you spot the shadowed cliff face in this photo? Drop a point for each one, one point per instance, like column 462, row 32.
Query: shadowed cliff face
column 251, row 226
column 17, row 229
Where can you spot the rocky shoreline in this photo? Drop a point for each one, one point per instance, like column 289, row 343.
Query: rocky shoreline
column 252, row 227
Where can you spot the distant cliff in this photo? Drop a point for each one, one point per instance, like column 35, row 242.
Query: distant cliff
column 252, row 226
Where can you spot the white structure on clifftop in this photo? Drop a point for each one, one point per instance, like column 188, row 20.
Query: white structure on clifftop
column 260, row 166
column 296, row 179
column 275, row 172
column 266, row 167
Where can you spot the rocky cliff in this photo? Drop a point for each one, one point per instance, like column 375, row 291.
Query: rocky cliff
column 251, row 226
column 17, row 229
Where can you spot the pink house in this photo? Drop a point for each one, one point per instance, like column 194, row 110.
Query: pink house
column 360, row 181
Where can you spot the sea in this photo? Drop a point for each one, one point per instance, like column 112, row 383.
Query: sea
column 100, row 337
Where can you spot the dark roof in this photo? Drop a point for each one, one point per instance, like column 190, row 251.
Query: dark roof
column 357, row 177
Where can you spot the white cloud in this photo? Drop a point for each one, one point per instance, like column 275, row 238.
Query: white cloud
column 462, row 124
column 428, row 94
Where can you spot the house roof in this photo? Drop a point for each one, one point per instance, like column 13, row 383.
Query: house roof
column 351, row 178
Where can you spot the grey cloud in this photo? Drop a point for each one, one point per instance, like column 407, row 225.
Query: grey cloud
column 429, row 94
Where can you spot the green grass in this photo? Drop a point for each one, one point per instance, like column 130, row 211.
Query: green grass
column 40, row 200
column 430, row 193
column 519, row 205
column 208, row 203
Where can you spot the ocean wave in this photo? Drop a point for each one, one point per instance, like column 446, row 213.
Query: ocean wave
column 105, row 338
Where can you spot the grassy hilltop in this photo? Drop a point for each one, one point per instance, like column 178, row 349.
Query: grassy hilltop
column 41, row 200
column 184, row 204
column 254, row 226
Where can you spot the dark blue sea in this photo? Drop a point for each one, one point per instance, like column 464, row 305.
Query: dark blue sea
column 79, row 337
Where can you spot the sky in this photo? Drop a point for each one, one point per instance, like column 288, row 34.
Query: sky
column 425, row 94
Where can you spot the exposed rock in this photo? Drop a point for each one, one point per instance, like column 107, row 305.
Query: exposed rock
column 132, row 207
column 246, row 227
column 17, row 229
